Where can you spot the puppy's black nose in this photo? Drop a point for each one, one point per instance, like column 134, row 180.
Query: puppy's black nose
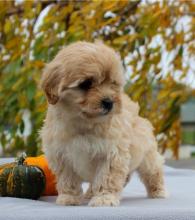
column 107, row 104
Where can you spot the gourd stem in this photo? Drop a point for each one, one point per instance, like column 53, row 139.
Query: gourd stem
column 20, row 160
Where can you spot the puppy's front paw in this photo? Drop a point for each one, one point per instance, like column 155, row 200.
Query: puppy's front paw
column 158, row 194
column 66, row 199
column 104, row 200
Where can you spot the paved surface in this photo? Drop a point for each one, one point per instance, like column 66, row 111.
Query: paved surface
column 134, row 204
column 183, row 163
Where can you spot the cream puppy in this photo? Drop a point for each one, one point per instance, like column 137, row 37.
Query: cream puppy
column 93, row 131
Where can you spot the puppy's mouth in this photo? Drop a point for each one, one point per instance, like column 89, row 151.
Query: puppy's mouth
column 95, row 113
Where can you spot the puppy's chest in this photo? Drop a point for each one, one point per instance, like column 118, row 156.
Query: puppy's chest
column 85, row 152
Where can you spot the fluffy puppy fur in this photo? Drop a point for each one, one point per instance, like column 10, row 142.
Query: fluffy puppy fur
column 92, row 131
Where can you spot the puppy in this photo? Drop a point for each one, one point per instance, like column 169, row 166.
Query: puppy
column 93, row 132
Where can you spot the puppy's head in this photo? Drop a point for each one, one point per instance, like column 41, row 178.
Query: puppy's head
column 85, row 78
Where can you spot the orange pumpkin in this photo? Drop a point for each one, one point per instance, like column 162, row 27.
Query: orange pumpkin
column 41, row 162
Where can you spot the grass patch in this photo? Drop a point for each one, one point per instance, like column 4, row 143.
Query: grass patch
column 193, row 154
column 188, row 137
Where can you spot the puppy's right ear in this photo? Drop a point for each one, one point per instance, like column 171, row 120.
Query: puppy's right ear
column 50, row 82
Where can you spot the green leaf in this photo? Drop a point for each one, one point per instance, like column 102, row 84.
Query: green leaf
column 30, row 92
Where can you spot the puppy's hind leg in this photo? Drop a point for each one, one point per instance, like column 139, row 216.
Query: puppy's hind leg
column 151, row 174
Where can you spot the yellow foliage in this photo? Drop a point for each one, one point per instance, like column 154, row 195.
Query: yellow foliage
column 128, row 26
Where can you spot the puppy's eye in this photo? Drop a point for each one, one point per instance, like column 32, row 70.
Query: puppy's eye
column 86, row 84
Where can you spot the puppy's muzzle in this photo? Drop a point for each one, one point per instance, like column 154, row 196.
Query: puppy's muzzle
column 107, row 105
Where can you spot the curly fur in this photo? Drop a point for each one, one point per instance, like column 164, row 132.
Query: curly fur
column 83, row 144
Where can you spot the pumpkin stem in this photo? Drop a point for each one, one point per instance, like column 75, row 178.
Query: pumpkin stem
column 20, row 160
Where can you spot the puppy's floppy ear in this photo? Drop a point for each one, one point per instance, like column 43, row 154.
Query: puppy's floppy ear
column 50, row 82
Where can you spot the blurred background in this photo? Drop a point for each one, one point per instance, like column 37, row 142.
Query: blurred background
column 156, row 41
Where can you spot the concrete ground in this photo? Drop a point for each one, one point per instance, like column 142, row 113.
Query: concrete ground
column 182, row 163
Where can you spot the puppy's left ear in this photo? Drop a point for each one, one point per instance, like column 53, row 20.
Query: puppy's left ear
column 50, row 82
